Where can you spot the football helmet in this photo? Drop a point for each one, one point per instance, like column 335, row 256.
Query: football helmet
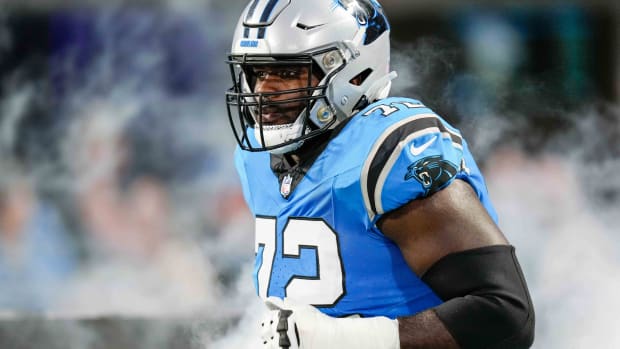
column 343, row 44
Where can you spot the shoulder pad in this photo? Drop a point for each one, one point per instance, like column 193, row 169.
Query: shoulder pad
column 416, row 154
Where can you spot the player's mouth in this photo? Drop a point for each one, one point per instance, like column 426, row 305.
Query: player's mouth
column 269, row 119
column 279, row 115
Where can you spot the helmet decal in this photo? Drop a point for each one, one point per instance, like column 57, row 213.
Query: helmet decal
column 266, row 13
column 262, row 16
column 369, row 14
column 246, row 31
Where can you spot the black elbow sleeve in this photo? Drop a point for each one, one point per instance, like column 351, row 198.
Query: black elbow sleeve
column 486, row 300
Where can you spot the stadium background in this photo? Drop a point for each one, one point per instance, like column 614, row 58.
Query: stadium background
column 121, row 221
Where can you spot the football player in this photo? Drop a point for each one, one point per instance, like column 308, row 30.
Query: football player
column 374, row 228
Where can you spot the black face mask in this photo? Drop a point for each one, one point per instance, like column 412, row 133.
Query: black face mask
column 245, row 106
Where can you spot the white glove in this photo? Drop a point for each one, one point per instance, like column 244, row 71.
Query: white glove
column 294, row 326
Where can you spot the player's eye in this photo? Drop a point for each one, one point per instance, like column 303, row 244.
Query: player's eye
column 261, row 74
column 282, row 73
column 289, row 74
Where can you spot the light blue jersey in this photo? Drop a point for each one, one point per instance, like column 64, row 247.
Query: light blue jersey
column 317, row 242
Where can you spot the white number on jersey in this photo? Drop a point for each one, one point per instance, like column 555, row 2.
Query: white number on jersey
column 387, row 110
column 328, row 285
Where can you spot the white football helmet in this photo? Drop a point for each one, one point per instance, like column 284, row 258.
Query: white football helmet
column 345, row 43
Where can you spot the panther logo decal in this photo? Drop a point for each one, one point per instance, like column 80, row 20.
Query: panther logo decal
column 362, row 10
column 369, row 14
column 432, row 172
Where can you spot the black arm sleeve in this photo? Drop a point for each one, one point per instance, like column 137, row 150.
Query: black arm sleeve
column 486, row 301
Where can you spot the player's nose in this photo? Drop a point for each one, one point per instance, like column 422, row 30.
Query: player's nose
column 272, row 93
column 269, row 84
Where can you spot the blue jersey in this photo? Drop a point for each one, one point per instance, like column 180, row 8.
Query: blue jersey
column 317, row 243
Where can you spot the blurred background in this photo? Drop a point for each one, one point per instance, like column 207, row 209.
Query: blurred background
column 122, row 224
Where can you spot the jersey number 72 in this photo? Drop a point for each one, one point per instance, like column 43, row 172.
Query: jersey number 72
column 302, row 263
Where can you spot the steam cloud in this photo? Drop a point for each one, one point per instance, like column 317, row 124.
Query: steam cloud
column 135, row 163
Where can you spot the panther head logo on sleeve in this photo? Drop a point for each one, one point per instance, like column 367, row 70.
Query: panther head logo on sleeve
column 432, row 172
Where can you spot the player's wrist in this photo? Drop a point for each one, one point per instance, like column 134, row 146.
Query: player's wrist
column 303, row 326
column 358, row 333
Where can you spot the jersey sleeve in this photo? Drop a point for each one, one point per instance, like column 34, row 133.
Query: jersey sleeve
column 415, row 156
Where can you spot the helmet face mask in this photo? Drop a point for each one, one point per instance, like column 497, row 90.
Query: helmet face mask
column 342, row 64
column 247, row 107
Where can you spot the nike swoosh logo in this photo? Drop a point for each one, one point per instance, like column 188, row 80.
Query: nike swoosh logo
column 415, row 151
column 309, row 27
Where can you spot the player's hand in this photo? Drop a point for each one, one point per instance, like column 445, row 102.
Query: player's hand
column 297, row 326
column 278, row 327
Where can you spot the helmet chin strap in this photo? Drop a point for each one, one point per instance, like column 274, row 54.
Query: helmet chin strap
column 278, row 134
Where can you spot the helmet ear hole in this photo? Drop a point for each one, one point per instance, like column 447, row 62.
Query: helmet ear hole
column 361, row 77
column 317, row 71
